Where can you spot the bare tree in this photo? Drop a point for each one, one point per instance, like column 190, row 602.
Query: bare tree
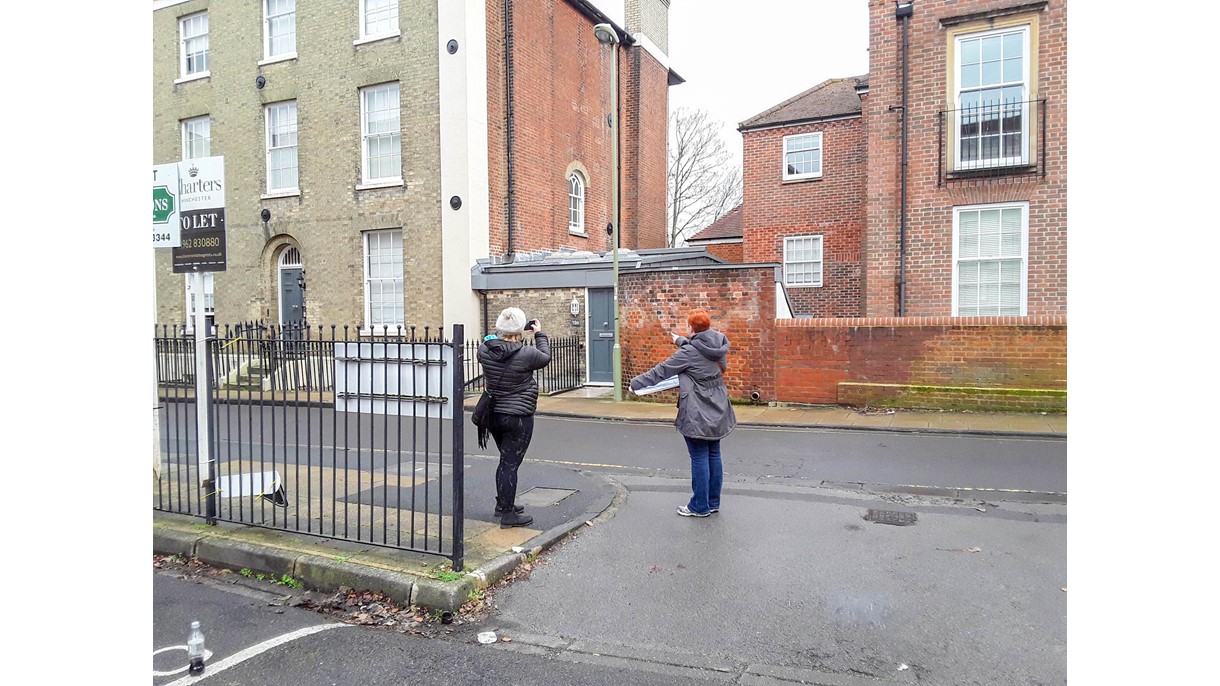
column 703, row 186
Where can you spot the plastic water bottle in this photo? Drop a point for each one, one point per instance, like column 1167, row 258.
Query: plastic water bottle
column 194, row 649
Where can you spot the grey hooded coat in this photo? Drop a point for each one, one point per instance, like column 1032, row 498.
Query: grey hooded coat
column 704, row 410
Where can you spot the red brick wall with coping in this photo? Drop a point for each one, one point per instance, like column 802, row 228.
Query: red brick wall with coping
column 806, row 360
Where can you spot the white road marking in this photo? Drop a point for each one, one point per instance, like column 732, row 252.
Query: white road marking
column 242, row 656
column 207, row 655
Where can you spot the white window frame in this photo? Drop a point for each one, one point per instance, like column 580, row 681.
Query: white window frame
column 817, row 136
column 576, row 204
column 366, row 180
column 267, row 109
column 209, row 296
column 817, row 241
column 268, row 57
column 362, row 21
column 1026, row 78
column 1024, row 254
column 183, row 39
column 187, row 150
column 381, row 328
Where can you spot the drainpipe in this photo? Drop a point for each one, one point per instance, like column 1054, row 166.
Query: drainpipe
column 509, row 125
column 903, row 11
column 483, row 295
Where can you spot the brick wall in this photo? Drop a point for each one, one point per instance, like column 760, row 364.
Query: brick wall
column 561, row 98
column 550, row 306
column 645, row 123
column 831, row 206
column 1009, row 363
column 741, row 301
column 930, row 206
column 497, row 129
column 729, row 252
column 561, row 95
column 814, row 356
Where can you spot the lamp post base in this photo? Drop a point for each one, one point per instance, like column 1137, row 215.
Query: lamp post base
column 618, row 374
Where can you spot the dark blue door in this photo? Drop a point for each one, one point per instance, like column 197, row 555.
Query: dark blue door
column 601, row 335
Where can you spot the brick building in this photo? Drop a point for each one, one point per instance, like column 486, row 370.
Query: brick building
column 934, row 186
column 722, row 238
column 376, row 150
column 803, row 183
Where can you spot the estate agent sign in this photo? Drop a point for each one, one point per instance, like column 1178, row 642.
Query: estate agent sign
column 201, row 201
column 166, row 233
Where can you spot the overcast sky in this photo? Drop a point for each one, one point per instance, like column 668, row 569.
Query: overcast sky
column 741, row 57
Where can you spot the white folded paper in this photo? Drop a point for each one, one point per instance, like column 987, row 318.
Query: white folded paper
column 671, row 382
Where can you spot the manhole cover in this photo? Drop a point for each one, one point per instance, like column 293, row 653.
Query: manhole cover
column 543, row 497
column 891, row 517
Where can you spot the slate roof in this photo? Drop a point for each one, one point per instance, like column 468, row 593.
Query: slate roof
column 728, row 226
column 831, row 98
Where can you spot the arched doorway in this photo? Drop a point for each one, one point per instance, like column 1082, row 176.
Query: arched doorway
column 292, row 287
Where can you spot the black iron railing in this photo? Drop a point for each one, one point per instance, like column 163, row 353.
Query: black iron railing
column 565, row 372
column 991, row 139
column 320, row 431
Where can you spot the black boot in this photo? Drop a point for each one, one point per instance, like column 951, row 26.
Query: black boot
column 500, row 509
column 508, row 519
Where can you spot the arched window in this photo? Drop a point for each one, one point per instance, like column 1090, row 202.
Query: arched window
column 576, row 204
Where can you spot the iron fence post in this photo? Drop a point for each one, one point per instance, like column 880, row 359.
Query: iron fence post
column 209, row 406
column 459, row 421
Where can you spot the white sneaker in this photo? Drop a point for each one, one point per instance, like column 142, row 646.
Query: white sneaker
column 685, row 511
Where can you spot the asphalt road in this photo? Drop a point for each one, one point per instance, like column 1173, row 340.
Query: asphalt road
column 788, row 581
column 809, row 456
column 255, row 640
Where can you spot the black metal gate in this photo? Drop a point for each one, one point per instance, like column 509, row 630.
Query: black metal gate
column 319, row 431
column 565, row 372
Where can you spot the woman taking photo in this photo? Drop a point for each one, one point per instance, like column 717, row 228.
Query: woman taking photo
column 508, row 367
column 704, row 413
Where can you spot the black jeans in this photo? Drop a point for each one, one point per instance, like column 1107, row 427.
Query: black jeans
column 512, row 434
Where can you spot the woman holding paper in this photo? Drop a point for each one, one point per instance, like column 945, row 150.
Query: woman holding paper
column 704, row 413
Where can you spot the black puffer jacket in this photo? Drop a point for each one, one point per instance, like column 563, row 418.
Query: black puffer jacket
column 517, row 393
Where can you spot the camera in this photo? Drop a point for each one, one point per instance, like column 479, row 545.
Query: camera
column 531, row 325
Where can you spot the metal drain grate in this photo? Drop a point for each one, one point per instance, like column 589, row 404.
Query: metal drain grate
column 891, row 517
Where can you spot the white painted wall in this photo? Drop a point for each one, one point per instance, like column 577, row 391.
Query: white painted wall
column 463, row 110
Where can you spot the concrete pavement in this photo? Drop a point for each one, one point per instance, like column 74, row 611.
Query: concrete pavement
column 493, row 552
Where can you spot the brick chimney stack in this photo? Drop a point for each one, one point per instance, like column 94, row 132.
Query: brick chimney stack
column 651, row 18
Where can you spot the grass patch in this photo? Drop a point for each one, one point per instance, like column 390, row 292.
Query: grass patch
column 284, row 580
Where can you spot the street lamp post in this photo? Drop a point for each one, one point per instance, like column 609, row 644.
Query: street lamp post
column 606, row 35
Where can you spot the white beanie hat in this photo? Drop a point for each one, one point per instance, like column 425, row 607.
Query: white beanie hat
column 510, row 321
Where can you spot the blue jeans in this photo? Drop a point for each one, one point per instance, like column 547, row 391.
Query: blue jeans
column 706, row 474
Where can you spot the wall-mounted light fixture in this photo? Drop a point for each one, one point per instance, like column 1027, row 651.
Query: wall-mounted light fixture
column 301, row 280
